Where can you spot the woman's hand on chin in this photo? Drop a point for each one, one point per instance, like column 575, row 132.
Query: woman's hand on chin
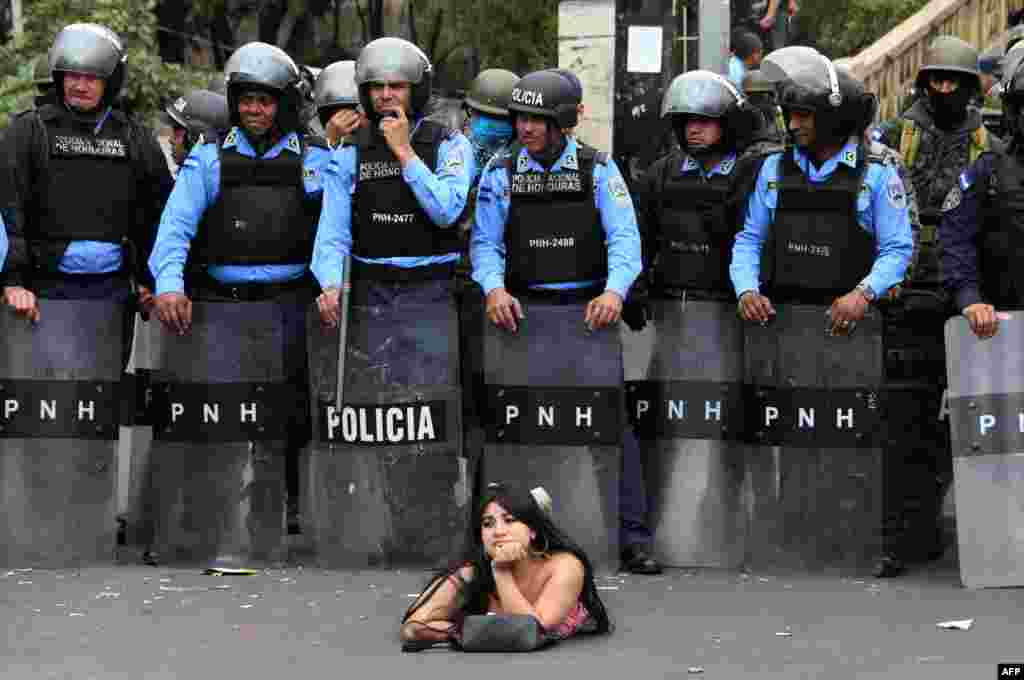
column 507, row 554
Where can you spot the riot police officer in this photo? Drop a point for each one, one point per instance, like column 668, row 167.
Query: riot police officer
column 337, row 102
column 488, row 127
column 980, row 242
column 197, row 116
column 570, row 235
column 713, row 123
column 406, row 174
column 826, row 111
column 827, row 225
column 86, row 183
column 938, row 136
column 240, row 223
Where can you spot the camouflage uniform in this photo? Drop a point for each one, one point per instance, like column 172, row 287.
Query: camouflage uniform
column 933, row 160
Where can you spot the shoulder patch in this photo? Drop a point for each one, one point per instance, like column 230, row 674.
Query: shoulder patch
column 965, row 181
column 454, row 160
column 895, row 192
column 953, row 199
column 850, row 156
column 232, row 137
column 727, row 166
column 293, row 144
column 570, row 162
column 617, row 188
column 877, row 135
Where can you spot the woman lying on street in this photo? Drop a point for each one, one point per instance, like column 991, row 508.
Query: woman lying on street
column 516, row 562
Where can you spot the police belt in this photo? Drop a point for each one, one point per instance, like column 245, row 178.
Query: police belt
column 249, row 291
column 566, row 296
column 929, row 226
column 49, row 279
column 372, row 271
column 670, row 293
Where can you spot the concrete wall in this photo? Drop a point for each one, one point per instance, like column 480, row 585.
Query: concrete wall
column 586, row 46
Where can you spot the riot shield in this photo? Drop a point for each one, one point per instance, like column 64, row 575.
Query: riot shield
column 684, row 382
column 220, row 409
column 386, row 482
column 816, row 422
column 986, row 413
column 59, row 383
column 134, row 479
column 555, row 419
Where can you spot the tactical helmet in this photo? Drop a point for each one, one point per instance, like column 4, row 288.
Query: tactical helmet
column 336, row 86
column 754, row 82
column 41, row 75
column 397, row 61
column 259, row 66
column 574, row 80
column 200, row 112
column 92, row 49
column 1015, row 36
column 545, row 93
column 949, row 53
column 809, row 81
column 708, row 95
column 491, row 91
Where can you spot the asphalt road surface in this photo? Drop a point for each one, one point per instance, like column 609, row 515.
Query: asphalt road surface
column 155, row 622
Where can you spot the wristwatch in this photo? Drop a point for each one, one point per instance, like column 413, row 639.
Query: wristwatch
column 866, row 291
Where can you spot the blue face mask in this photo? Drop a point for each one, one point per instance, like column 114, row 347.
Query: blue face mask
column 489, row 131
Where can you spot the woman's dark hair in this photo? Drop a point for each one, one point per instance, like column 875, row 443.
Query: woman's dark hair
column 549, row 539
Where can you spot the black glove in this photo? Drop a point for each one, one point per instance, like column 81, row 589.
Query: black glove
column 635, row 309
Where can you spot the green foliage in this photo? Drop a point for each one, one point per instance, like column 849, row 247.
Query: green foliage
column 842, row 28
column 149, row 82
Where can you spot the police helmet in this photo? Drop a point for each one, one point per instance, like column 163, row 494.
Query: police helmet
column 754, row 82
column 548, row 94
column 1015, row 36
column 491, row 91
column 336, row 86
column 708, row 95
column 809, row 81
column 92, row 49
column 574, row 80
column 200, row 112
column 397, row 61
column 951, row 54
column 264, row 67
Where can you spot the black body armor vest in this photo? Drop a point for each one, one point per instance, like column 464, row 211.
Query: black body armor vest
column 697, row 230
column 387, row 220
column 817, row 249
column 1002, row 241
column 90, row 190
column 554, row 232
column 262, row 214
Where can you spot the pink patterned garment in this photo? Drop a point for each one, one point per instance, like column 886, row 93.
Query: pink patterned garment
column 577, row 621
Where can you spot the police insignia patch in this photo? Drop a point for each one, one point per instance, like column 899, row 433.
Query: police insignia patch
column 728, row 165
column 180, row 104
column 523, row 162
column 850, row 157
column 965, row 181
column 953, row 199
column 689, row 164
column 454, row 161
column 617, row 188
column 293, row 144
column 232, row 138
column 570, row 162
column 896, row 194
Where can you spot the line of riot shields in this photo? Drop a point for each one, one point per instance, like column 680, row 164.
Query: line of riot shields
column 775, row 445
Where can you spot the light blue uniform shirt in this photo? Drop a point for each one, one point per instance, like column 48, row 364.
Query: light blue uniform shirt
column 613, row 201
column 737, row 69
column 196, row 190
column 441, row 193
column 881, row 211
